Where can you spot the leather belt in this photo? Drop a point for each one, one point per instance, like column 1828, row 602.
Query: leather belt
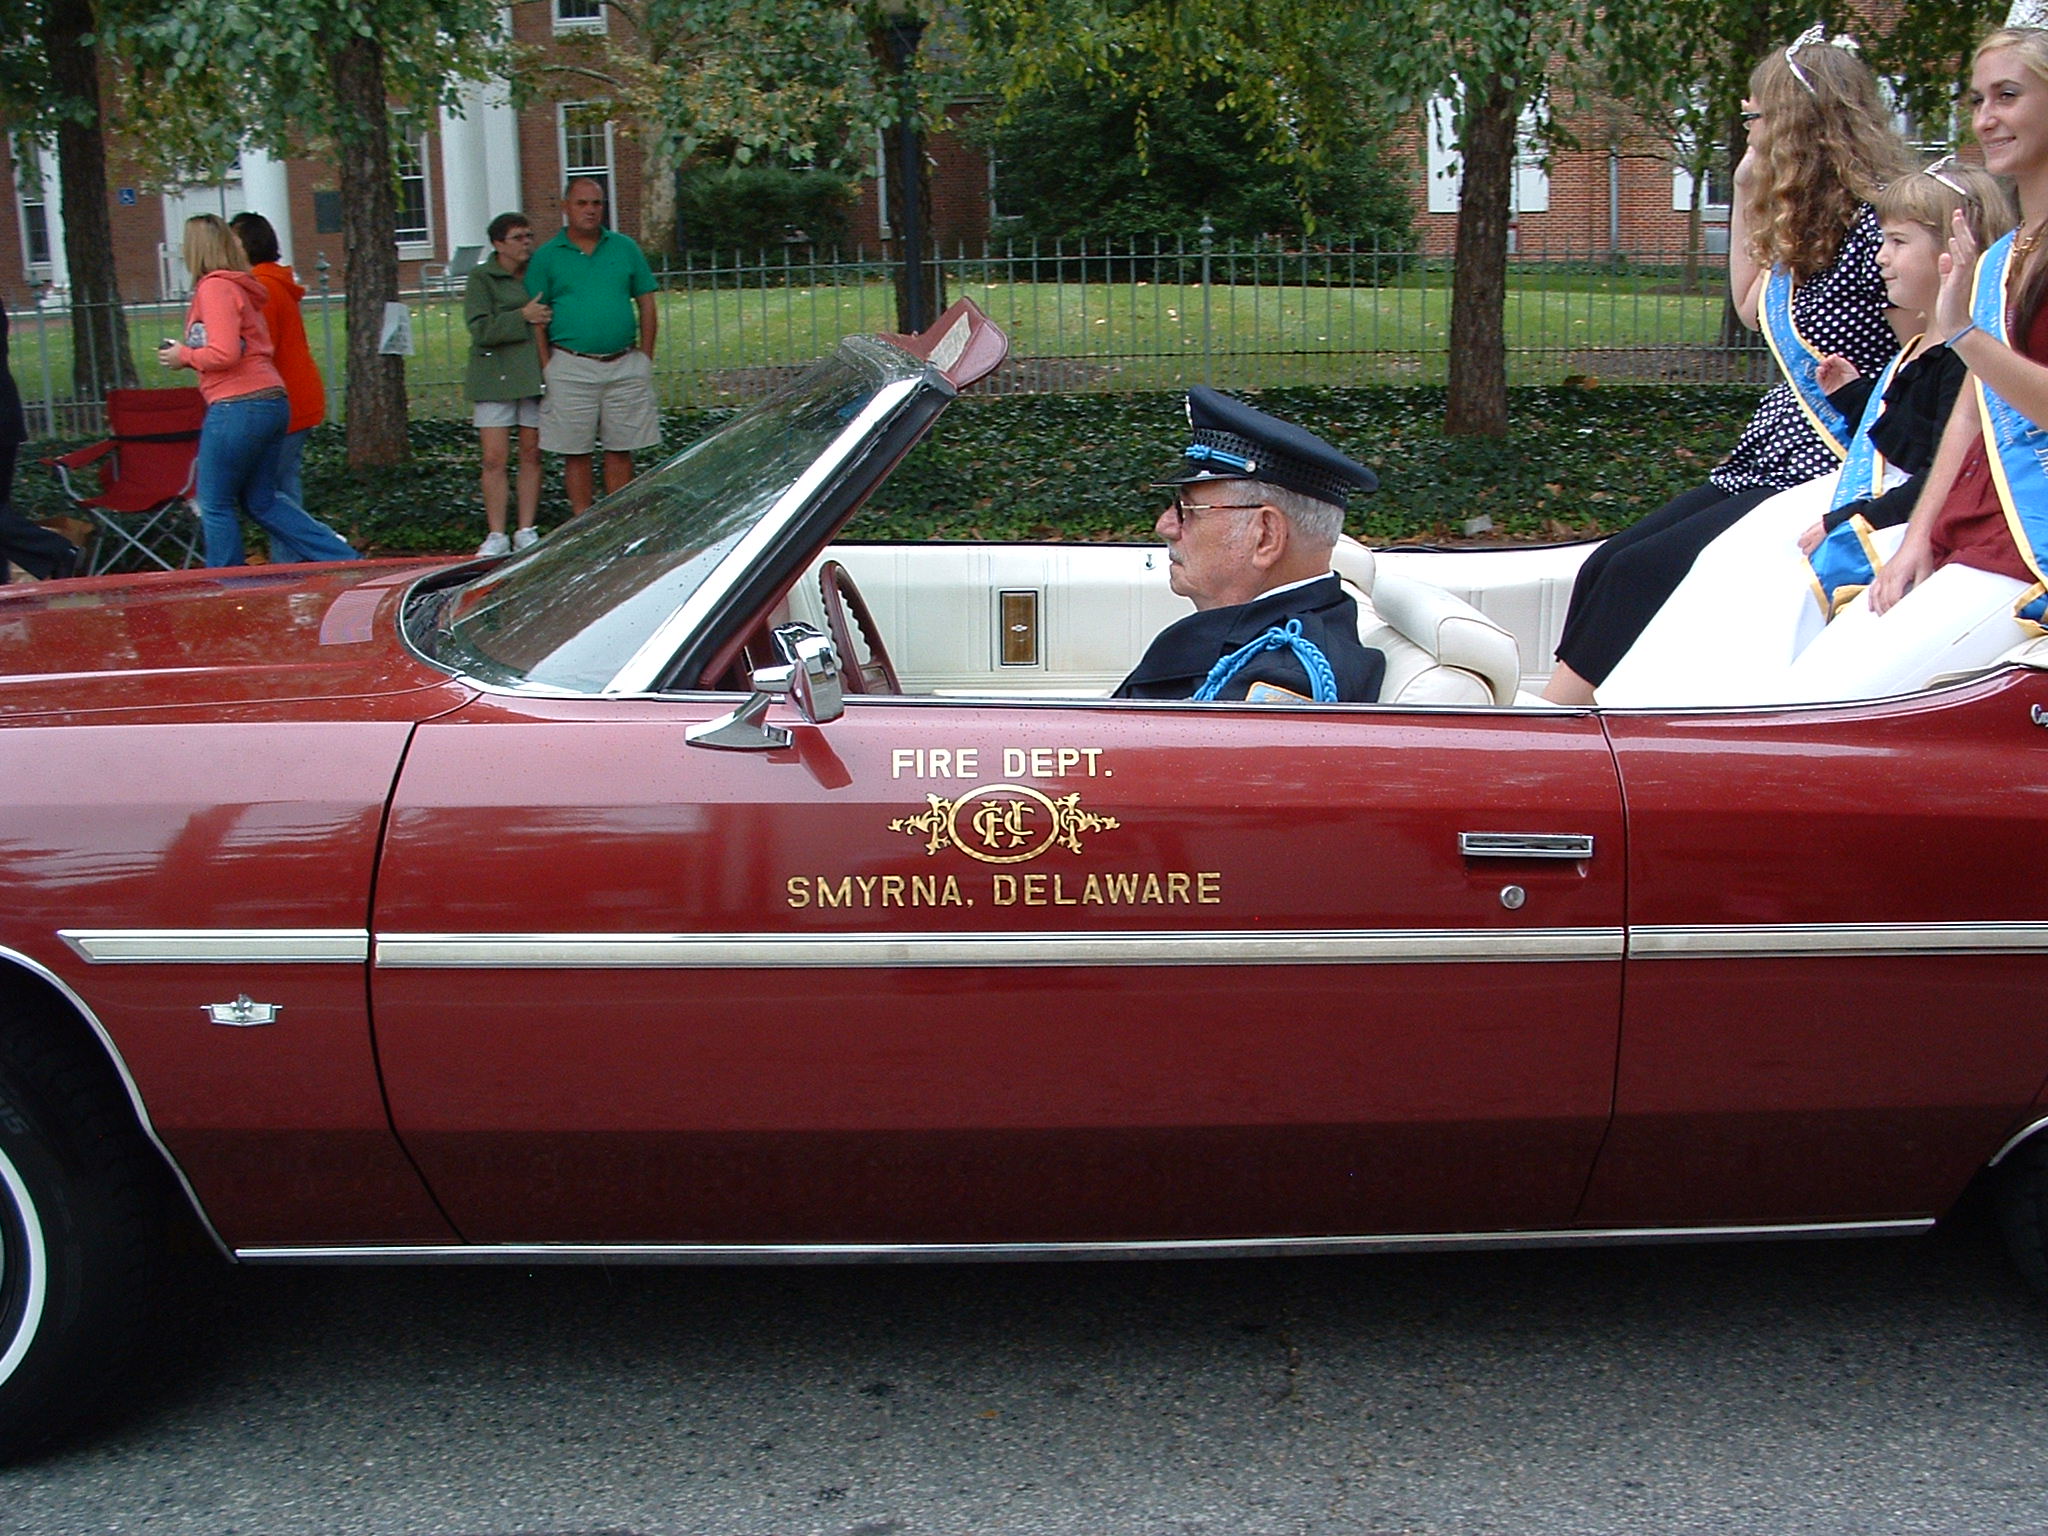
column 597, row 357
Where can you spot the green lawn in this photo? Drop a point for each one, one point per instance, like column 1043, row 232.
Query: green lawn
column 722, row 345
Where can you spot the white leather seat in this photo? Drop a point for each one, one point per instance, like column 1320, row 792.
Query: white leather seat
column 1439, row 648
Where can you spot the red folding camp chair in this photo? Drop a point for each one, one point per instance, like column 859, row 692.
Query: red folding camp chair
column 142, row 514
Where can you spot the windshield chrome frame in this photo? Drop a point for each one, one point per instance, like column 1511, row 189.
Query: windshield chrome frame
column 644, row 668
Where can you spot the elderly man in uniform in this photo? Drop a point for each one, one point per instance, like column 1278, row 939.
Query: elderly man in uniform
column 1257, row 507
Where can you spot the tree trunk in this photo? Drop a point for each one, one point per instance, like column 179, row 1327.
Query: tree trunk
column 1478, row 403
column 1753, row 36
column 658, row 168
column 99, row 330
column 369, row 217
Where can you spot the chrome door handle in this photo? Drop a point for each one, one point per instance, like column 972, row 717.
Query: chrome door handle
column 1525, row 845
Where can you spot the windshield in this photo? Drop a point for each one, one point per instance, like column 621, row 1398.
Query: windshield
column 573, row 610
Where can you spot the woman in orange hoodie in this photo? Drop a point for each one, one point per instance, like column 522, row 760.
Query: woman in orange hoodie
column 241, row 438
column 304, row 391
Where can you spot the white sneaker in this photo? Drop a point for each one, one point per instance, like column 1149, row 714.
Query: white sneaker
column 526, row 538
column 496, row 544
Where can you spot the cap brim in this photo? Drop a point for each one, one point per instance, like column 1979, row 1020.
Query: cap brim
column 1182, row 474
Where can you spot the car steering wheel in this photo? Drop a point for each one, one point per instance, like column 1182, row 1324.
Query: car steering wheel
column 875, row 675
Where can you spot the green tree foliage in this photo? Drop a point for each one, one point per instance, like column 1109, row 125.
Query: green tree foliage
column 1198, row 160
column 1685, row 64
column 1292, row 70
column 322, row 76
column 749, row 208
column 51, row 69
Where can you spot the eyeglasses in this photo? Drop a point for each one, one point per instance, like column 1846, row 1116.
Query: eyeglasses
column 1751, row 117
column 1183, row 509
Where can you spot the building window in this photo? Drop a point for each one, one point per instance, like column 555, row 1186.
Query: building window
column 1717, row 188
column 415, row 216
column 579, row 16
column 1932, row 137
column 1446, row 168
column 32, row 201
column 586, row 134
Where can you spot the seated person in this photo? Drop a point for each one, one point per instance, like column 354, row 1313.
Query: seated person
column 1752, row 601
column 1257, row 507
column 1967, row 583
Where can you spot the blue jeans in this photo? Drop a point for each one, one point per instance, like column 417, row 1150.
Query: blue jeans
column 290, row 454
column 240, row 445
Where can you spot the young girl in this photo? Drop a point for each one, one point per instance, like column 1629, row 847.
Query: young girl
column 242, row 433
column 1966, row 584
column 1803, row 262
column 1761, row 591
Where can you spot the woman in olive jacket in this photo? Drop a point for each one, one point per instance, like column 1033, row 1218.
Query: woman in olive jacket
column 504, row 378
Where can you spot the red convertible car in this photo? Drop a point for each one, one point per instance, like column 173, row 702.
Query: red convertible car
column 690, row 888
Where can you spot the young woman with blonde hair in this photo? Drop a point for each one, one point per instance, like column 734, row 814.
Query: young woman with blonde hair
column 227, row 343
column 1802, row 267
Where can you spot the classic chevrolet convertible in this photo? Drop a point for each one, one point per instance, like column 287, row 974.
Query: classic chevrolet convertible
column 688, row 888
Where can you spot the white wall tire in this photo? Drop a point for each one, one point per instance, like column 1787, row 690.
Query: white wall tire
column 24, row 1270
column 82, row 1219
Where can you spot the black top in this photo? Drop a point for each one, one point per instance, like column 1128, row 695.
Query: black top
column 1839, row 309
column 13, row 423
column 1917, row 407
column 1180, row 658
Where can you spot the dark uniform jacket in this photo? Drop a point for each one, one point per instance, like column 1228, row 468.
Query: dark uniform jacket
column 1179, row 660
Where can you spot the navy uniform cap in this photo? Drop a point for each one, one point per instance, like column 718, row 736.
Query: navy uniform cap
column 1229, row 440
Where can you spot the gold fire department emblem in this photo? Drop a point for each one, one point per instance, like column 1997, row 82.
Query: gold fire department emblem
column 1003, row 823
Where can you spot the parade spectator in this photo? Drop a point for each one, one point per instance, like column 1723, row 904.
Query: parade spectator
column 43, row 552
column 305, row 393
column 597, row 350
column 247, row 412
column 504, row 378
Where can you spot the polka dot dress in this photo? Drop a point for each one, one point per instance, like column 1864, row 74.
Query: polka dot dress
column 1839, row 309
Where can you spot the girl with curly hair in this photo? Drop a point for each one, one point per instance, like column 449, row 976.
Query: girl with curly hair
column 1802, row 267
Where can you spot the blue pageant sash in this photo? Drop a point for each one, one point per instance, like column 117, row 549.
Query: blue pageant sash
column 2017, row 449
column 1845, row 560
column 1799, row 362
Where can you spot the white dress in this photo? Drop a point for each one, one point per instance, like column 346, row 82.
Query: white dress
column 1742, row 615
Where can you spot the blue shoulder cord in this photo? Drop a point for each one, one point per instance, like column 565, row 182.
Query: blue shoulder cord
column 1321, row 679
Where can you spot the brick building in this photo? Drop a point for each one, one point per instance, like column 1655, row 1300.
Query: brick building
column 462, row 169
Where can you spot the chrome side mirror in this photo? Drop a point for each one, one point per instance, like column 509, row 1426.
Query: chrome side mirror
column 808, row 678
column 814, row 683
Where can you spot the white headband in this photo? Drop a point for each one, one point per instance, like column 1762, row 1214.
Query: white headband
column 1815, row 36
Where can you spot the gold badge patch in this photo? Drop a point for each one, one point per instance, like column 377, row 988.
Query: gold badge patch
column 1003, row 823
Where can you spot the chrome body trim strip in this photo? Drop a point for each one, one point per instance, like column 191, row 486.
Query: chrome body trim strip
column 786, row 951
column 1337, row 946
column 84, row 1010
column 645, row 665
column 981, row 1253
column 1783, row 940
column 2024, row 1133
column 218, row 946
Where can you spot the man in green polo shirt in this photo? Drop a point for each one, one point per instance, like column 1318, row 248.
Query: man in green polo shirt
column 597, row 352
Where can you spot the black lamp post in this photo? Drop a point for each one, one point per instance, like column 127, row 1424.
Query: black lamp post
column 916, row 308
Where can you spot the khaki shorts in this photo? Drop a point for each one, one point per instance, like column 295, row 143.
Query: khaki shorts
column 591, row 405
column 507, row 413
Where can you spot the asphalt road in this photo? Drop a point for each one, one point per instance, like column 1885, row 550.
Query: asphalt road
column 1866, row 1387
